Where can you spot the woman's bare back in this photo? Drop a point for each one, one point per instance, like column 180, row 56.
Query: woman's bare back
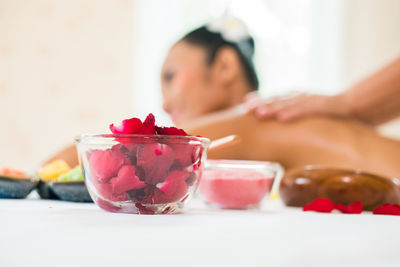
column 328, row 141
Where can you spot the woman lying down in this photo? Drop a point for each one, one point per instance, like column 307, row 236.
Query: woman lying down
column 205, row 78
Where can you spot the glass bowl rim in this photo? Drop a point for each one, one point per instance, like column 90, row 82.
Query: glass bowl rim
column 203, row 140
column 241, row 164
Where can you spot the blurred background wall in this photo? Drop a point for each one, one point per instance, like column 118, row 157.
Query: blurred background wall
column 71, row 67
column 65, row 69
column 371, row 39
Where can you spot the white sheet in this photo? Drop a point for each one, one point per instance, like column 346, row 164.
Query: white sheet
column 54, row 233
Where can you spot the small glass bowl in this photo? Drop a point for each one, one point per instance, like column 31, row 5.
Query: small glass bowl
column 238, row 184
column 143, row 174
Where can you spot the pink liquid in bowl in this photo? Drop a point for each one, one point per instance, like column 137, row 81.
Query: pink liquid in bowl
column 235, row 188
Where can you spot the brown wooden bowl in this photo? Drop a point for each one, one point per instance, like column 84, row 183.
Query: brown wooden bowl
column 302, row 185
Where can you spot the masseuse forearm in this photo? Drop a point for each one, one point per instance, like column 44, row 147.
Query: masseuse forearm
column 377, row 98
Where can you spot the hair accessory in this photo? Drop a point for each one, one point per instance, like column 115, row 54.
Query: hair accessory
column 231, row 29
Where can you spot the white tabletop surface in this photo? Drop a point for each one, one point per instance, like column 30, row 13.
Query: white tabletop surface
column 54, row 233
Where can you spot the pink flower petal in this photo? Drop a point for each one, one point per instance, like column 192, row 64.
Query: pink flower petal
column 140, row 195
column 155, row 160
column 126, row 180
column 120, row 148
column 173, row 188
column 105, row 190
column 104, row 164
column 186, row 154
column 105, row 205
column 143, row 210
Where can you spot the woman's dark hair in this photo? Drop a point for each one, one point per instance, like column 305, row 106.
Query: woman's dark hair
column 213, row 41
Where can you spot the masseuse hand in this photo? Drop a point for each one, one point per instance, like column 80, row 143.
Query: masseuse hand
column 374, row 100
column 292, row 106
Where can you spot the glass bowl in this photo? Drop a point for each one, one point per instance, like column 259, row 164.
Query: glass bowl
column 238, row 184
column 143, row 174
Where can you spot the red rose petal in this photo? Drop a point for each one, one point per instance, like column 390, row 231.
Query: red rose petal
column 155, row 159
column 148, row 197
column 170, row 131
column 105, row 190
column 157, row 197
column 173, row 188
column 129, row 126
column 320, row 205
column 132, row 144
column 340, row 207
column 144, row 195
column 355, row 208
column 105, row 205
column 121, row 148
column 140, row 195
column 186, row 154
column 132, row 149
column 160, row 197
column 388, row 209
column 105, row 164
column 178, row 175
column 143, row 210
column 148, row 126
column 126, row 180
column 135, row 126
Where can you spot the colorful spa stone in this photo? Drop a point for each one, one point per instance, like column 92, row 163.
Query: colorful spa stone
column 74, row 175
column 15, row 183
column 53, row 170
